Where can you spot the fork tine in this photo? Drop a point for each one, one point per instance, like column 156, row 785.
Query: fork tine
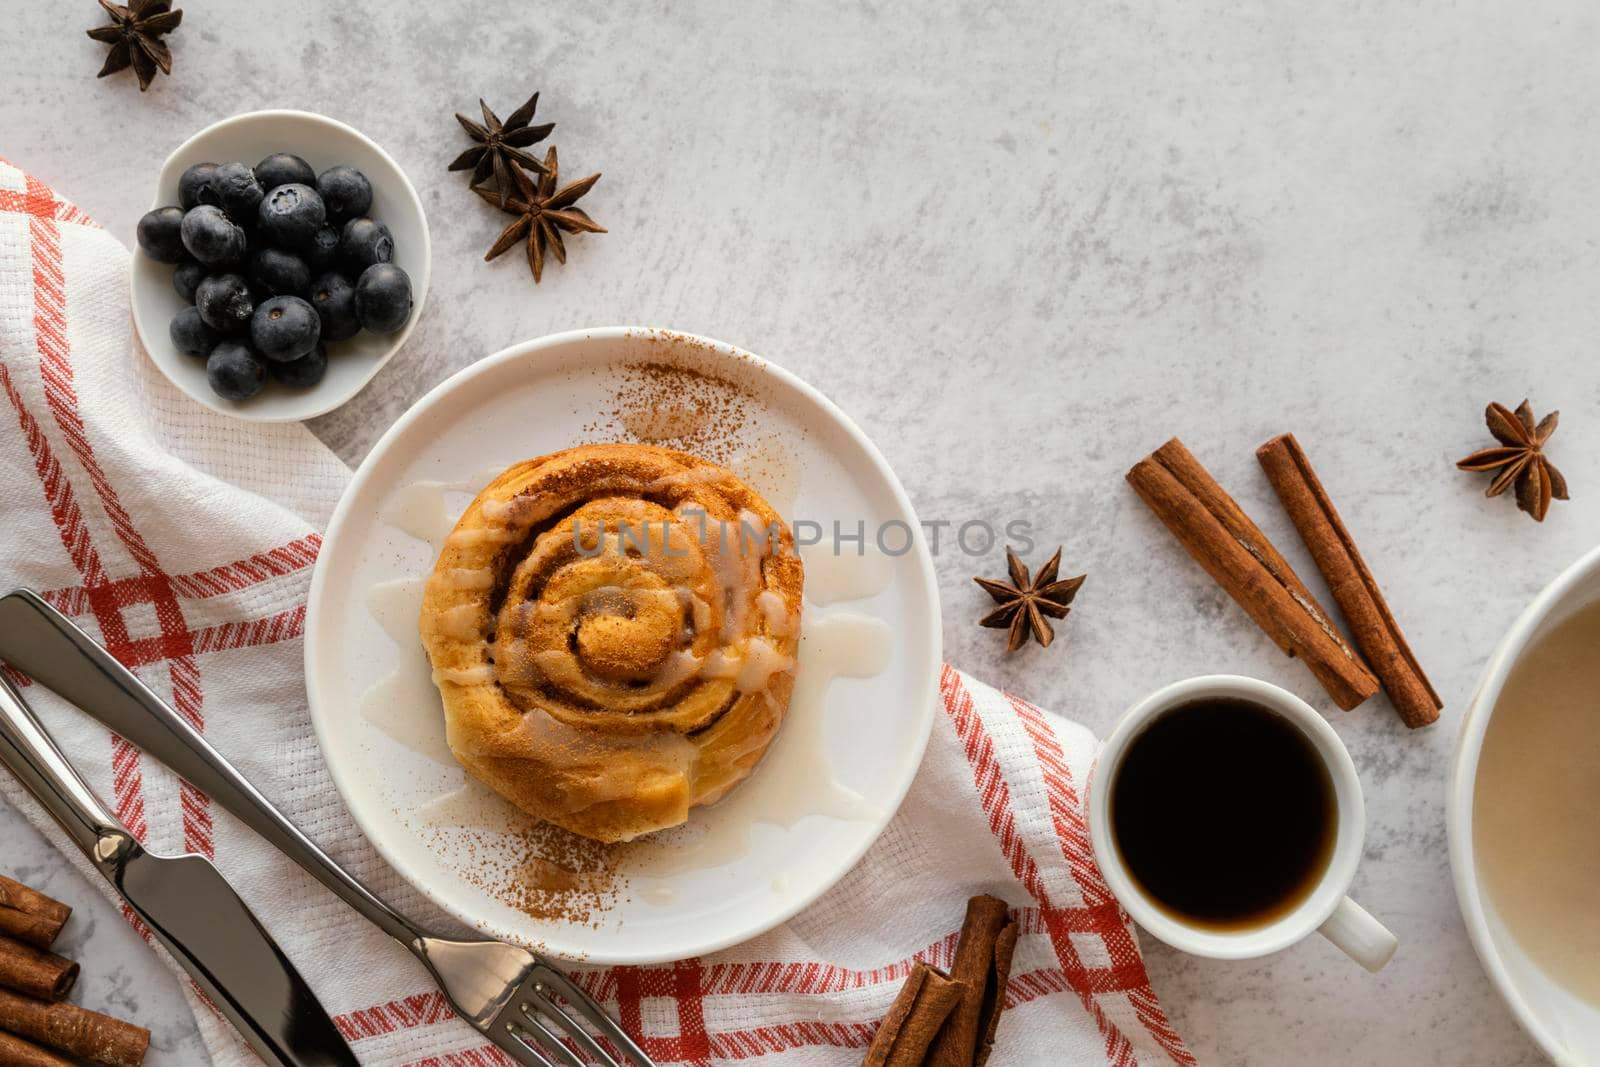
column 546, row 977
column 519, row 1046
column 568, row 1026
column 542, row 1043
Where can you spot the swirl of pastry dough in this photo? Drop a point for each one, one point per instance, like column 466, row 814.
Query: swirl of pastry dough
column 613, row 630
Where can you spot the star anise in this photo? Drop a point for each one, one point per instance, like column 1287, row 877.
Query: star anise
column 135, row 38
column 500, row 145
column 1024, row 604
column 1520, row 458
column 542, row 213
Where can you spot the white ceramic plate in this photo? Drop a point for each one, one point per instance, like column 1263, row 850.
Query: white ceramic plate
column 1566, row 1027
column 550, row 394
column 322, row 142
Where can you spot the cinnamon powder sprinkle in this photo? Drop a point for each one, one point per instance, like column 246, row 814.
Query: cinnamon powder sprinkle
column 561, row 877
column 676, row 407
column 543, row 871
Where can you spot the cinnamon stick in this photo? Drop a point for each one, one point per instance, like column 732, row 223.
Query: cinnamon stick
column 29, row 915
column 77, row 1031
column 1354, row 589
column 914, row 1019
column 1233, row 550
column 15, row 1052
column 34, row 971
column 36, row 930
column 983, row 965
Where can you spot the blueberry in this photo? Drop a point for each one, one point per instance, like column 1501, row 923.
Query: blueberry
column 383, row 298
column 234, row 371
column 334, row 299
column 161, row 234
column 291, row 214
column 281, row 168
column 364, row 242
column 323, row 252
column 279, row 272
column 194, row 186
column 211, row 238
column 190, row 334
column 284, row 328
column 187, row 278
column 346, row 191
column 304, row 372
column 224, row 302
column 237, row 190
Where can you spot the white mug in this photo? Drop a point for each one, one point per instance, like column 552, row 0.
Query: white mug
column 1324, row 909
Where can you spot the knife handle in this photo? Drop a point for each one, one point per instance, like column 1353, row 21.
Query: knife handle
column 33, row 757
column 58, row 654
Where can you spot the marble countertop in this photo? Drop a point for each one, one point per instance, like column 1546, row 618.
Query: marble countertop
column 1021, row 245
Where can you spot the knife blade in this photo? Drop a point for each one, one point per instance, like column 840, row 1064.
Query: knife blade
column 187, row 905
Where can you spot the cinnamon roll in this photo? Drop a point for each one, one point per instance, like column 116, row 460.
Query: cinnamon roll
column 613, row 630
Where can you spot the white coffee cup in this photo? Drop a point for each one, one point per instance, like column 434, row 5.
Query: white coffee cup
column 1325, row 909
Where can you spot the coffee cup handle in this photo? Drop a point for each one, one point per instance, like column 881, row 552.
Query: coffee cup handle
column 1361, row 937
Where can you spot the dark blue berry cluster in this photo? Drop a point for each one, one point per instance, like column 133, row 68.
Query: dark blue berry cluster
column 276, row 261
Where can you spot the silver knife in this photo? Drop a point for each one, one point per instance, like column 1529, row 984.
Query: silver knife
column 187, row 905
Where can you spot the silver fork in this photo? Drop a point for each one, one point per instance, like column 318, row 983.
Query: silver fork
column 512, row 996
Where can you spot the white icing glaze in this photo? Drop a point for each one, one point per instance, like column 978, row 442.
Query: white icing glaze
column 483, row 535
column 419, row 509
column 751, row 664
column 467, row 578
column 659, row 895
column 516, row 510
column 679, row 668
column 423, row 509
column 404, row 704
column 761, row 662
column 833, row 576
column 721, row 663
column 474, row 805
column 474, row 675
column 781, row 622
column 462, row 622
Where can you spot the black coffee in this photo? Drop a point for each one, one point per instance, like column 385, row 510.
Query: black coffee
column 1224, row 813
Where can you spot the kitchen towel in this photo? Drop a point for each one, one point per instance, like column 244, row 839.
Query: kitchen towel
column 184, row 541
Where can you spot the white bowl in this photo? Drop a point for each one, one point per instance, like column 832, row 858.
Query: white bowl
column 322, row 142
column 1564, row 1026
